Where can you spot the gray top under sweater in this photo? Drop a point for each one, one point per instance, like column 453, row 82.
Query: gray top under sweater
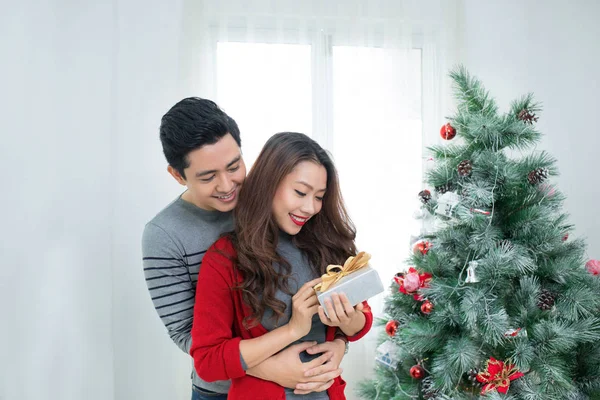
column 301, row 273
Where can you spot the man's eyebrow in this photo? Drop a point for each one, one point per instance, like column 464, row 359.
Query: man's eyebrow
column 235, row 160
column 212, row 171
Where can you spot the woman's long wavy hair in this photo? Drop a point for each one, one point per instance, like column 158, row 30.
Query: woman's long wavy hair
column 327, row 237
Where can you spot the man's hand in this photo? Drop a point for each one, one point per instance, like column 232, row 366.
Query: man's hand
column 338, row 348
column 286, row 369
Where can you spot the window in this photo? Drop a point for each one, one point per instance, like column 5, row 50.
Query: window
column 377, row 146
column 362, row 103
column 266, row 88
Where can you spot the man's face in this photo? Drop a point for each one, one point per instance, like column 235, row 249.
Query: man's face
column 214, row 176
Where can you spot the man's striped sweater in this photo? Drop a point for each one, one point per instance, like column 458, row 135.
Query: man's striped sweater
column 173, row 245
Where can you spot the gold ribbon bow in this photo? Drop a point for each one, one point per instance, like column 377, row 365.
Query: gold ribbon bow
column 336, row 272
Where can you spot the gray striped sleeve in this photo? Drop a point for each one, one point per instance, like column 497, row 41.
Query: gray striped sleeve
column 169, row 283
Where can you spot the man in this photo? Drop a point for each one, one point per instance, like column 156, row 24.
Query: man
column 202, row 146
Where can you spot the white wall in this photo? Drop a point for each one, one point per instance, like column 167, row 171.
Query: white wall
column 552, row 49
column 83, row 88
column 55, row 274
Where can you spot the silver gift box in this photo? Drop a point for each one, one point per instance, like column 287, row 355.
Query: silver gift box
column 357, row 286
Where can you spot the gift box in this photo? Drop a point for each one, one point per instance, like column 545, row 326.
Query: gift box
column 355, row 279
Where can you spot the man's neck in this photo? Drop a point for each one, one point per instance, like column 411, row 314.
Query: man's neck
column 186, row 196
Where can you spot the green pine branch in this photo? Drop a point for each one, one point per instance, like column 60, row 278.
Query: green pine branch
column 472, row 96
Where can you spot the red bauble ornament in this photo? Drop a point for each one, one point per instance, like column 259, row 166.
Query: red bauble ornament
column 447, row 132
column 427, row 307
column 593, row 267
column 421, row 246
column 565, row 237
column 391, row 327
column 417, row 372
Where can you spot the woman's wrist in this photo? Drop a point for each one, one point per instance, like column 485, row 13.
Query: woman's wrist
column 355, row 325
column 291, row 334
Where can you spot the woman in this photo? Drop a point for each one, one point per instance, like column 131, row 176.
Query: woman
column 290, row 223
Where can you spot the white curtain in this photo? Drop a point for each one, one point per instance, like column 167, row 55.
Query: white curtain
column 84, row 85
column 366, row 79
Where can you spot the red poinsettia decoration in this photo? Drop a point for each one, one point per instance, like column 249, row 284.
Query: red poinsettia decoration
column 412, row 281
column 498, row 376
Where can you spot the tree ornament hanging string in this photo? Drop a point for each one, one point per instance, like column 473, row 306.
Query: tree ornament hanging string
column 377, row 388
column 493, row 202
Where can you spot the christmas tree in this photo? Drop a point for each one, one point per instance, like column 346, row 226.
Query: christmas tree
column 498, row 302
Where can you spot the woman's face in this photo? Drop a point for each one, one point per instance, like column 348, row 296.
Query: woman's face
column 299, row 196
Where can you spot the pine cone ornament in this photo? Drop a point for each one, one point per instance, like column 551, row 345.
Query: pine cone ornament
column 425, row 196
column 527, row 117
column 465, row 168
column 546, row 300
column 427, row 389
column 538, row 175
column 472, row 377
column 448, row 187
